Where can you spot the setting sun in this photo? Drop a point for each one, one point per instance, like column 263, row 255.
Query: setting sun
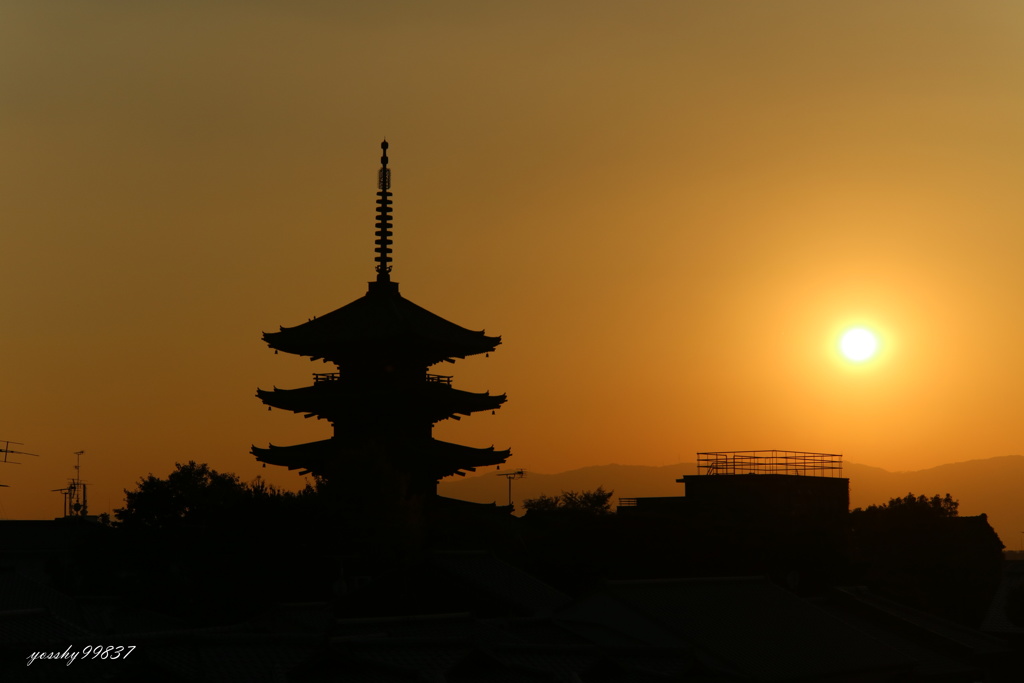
column 858, row 344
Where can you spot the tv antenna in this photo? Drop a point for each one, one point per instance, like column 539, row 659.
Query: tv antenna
column 76, row 503
column 514, row 474
column 6, row 450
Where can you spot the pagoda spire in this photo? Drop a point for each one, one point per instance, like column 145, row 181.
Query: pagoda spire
column 383, row 233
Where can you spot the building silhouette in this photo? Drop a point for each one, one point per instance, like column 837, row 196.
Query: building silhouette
column 381, row 400
column 772, row 512
column 741, row 487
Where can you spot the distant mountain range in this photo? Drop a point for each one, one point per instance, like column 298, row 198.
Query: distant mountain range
column 994, row 486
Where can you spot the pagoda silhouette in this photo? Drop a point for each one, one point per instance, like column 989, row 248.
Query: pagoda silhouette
column 381, row 401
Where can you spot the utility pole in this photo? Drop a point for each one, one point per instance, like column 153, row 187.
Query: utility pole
column 516, row 474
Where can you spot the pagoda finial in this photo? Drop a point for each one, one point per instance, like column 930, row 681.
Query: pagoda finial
column 383, row 233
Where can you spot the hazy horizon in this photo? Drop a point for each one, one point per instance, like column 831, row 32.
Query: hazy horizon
column 500, row 486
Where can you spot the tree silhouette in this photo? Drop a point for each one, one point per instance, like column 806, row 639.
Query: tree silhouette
column 191, row 493
column 202, row 543
column 936, row 506
column 196, row 495
column 567, row 537
column 919, row 550
column 596, row 502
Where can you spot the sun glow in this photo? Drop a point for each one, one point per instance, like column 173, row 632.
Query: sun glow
column 858, row 344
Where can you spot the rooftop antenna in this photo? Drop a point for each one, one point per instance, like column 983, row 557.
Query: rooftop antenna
column 76, row 503
column 383, row 233
column 515, row 474
column 6, row 450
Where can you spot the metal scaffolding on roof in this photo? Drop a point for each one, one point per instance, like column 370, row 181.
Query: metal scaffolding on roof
column 771, row 462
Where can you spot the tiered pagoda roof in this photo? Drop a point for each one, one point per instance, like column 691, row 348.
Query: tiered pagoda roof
column 381, row 399
column 382, row 322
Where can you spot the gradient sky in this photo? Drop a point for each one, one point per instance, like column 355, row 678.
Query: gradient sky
column 668, row 210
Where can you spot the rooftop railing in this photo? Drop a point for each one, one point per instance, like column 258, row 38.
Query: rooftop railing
column 335, row 376
column 771, row 462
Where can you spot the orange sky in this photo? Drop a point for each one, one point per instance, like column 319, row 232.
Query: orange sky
column 668, row 210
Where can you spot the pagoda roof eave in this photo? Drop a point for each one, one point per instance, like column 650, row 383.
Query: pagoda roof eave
column 445, row 458
column 381, row 321
column 481, row 457
column 308, row 457
column 327, row 398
